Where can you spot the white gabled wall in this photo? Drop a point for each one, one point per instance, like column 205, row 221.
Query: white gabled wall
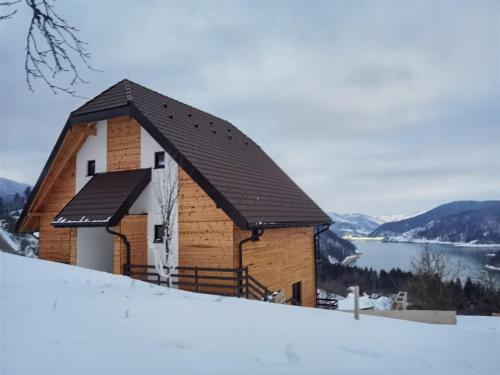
column 94, row 148
column 147, row 202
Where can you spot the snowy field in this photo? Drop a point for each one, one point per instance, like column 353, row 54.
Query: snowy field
column 59, row 319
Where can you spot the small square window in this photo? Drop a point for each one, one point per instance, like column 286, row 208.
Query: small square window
column 297, row 293
column 159, row 159
column 158, row 234
column 90, row 167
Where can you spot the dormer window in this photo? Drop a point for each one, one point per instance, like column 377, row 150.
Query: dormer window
column 159, row 159
column 90, row 167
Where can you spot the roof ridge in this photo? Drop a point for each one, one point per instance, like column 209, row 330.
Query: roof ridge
column 125, row 80
column 128, row 90
column 178, row 101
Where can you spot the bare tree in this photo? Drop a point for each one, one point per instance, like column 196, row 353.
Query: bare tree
column 52, row 46
column 10, row 13
column 435, row 263
column 432, row 270
column 166, row 190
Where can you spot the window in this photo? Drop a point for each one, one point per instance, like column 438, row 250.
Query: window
column 297, row 293
column 159, row 159
column 90, row 167
column 158, row 234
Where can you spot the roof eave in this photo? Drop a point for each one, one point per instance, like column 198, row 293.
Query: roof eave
column 288, row 224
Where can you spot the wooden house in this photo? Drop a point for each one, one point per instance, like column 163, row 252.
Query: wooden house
column 238, row 214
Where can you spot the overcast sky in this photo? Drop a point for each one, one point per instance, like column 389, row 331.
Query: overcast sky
column 377, row 107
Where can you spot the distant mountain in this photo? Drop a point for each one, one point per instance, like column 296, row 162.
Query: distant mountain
column 353, row 224
column 8, row 188
column 461, row 221
column 396, row 217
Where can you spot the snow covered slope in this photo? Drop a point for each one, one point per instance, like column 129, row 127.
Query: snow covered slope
column 60, row 319
column 353, row 224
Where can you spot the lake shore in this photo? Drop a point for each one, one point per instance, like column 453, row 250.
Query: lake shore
column 422, row 241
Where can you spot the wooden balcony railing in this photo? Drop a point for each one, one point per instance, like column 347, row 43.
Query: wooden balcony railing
column 222, row 281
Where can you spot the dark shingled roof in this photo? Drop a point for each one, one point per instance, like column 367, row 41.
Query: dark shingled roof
column 104, row 200
column 234, row 171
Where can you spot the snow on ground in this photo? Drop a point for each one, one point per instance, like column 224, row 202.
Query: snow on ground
column 6, row 241
column 365, row 302
column 60, row 319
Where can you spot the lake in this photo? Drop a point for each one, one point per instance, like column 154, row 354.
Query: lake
column 386, row 255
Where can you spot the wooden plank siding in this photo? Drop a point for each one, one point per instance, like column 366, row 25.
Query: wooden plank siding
column 209, row 238
column 123, row 152
column 55, row 243
column 280, row 258
column 135, row 228
column 205, row 231
column 123, row 144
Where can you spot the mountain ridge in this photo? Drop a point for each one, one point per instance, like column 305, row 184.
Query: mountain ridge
column 458, row 221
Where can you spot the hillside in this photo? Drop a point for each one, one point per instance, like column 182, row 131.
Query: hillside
column 461, row 221
column 333, row 248
column 68, row 320
column 8, row 188
column 353, row 224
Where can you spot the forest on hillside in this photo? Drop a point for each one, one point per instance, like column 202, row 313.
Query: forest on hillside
column 426, row 290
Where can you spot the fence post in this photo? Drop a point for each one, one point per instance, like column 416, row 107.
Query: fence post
column 238, row 283
column 355, row 290
column 246, row 283
column 196, row 281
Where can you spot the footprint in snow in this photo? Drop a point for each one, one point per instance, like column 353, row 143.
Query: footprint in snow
column 291, row 355
column 361, row 352
column 176, row 344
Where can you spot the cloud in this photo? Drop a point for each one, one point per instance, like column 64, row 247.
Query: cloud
column 369, row 106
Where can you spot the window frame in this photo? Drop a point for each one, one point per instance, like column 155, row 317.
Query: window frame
column 89, row 163
column 156, row 239
column 157, row 164
column 297, row 293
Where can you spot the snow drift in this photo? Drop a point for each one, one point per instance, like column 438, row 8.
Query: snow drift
column 60, row 319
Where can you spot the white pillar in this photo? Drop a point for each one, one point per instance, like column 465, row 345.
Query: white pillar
column 355, row 290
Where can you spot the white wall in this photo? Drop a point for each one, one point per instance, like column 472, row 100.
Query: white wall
column 94, row 249
column 94, row 148
column 147, row 202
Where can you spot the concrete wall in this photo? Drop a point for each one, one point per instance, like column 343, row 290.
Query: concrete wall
column 422, row 316
column 94, row 249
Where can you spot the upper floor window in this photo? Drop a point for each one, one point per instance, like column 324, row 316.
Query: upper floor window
column 158, row 234
column 90, row 167
column 160, row 159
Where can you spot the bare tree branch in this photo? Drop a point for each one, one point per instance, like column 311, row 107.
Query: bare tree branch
column 52, row 47
column 8, row 4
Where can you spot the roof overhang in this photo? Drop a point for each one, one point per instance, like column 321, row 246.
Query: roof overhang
column 127, row 107
column 104, row 200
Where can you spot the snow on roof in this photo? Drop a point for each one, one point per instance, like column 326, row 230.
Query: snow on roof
column 77, row 321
